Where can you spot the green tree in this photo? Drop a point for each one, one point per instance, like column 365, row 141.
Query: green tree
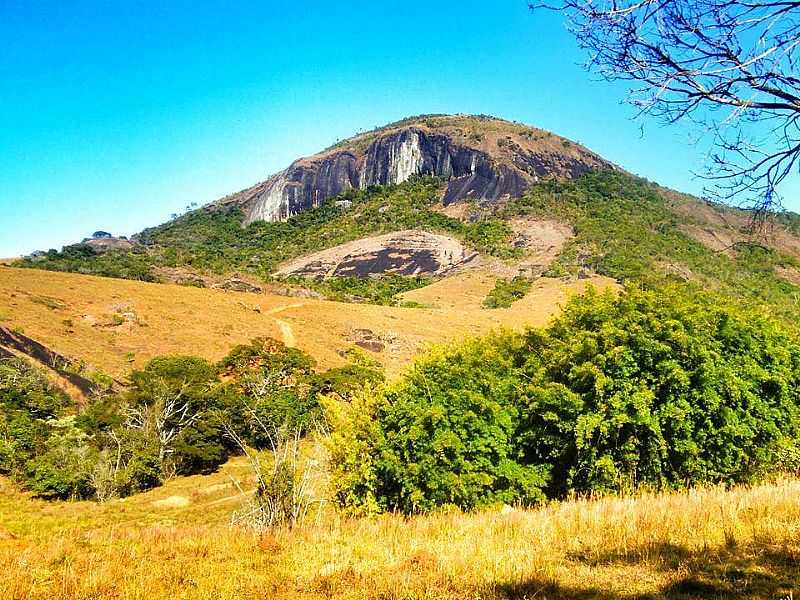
column 174, row 403
column 274, row 387
column 662, row 388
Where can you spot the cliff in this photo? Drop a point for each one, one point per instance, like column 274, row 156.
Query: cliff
column 482, row 158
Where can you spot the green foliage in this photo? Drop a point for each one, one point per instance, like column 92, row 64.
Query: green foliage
column 657, row 389
column 64, row 469
column 175, row 417
column 24, row 388
column 213, row 240
column 626, row 229
column 507, row 291
column 343, row 382
column 81, row 258
column 667, row 388
column 444, row 435
column 191, row 385
column 27, row 402
column 274, row 387
column 141, row 471
column 188, row 376
column 492, row 236
column 372, row 290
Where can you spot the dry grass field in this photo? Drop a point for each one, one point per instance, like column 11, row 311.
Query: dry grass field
column 175, row 542
column 113, row 325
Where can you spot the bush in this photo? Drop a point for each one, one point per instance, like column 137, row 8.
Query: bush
column 662, row 388
column 63, row 471
column 183, row 392
column 25, row 388
column 141, row 472
column 444, row 435
column 27, row 402
column 658, row 389
column 507, row 291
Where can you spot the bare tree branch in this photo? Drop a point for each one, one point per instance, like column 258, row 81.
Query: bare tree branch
column 165, row 418
column 728, row 66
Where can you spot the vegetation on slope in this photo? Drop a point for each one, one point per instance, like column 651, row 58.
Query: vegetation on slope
column 213, row 240
column 626, row 230
column 656, row 389
column 507, row 291
column 494, row 421
column 174, row 418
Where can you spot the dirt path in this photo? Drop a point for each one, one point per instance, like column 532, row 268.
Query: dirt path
column 287, row 333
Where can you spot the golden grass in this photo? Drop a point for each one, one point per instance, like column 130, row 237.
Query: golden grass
column 114, row 324
column 711, row 543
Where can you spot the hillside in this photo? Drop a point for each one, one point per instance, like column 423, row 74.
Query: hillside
column 452, row 357
column 113, row 326
column 572, row 214
column 608, row 223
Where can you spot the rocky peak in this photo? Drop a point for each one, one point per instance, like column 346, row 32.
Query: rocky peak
column 482, row 158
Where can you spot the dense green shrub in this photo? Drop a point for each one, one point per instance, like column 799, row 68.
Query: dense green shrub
column 28, row 401
column 507, row 291
column 141, row 471
column 273, row 386
column 444, row 435
column 656, row 389
column 182, row 391
column 666, row 389
column 24, row 388
column 64, row 469
column 372, row 290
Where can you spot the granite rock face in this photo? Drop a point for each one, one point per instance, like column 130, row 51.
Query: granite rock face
column 410, row 252
column 482, row 171
column 303, row 186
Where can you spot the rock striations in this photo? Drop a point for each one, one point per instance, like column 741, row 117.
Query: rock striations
column 481, row 158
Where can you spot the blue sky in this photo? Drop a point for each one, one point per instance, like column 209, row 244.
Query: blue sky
column 113, row 115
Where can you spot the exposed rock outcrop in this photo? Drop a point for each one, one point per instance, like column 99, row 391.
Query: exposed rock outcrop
column 13, row 341
column 410, row 252
column 237, row 284
column 483, row 159
column 103, row 244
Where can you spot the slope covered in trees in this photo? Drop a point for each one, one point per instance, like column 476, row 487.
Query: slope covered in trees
column 179, row 415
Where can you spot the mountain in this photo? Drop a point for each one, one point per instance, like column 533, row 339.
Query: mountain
column 380, row 215
column 482, row 158
column 632, row 338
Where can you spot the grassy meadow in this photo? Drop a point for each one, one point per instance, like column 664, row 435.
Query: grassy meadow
column 175, row 542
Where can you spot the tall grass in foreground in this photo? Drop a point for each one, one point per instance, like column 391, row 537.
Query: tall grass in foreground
column 711, row 543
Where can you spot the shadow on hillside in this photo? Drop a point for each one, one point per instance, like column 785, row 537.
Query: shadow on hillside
column 731, row 573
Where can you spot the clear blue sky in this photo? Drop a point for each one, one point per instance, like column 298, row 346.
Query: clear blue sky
column 113, row 115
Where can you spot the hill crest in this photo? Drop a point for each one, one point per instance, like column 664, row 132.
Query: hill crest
column 483, row 158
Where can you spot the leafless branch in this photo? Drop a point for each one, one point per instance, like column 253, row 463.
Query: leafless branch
column 728, row 66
